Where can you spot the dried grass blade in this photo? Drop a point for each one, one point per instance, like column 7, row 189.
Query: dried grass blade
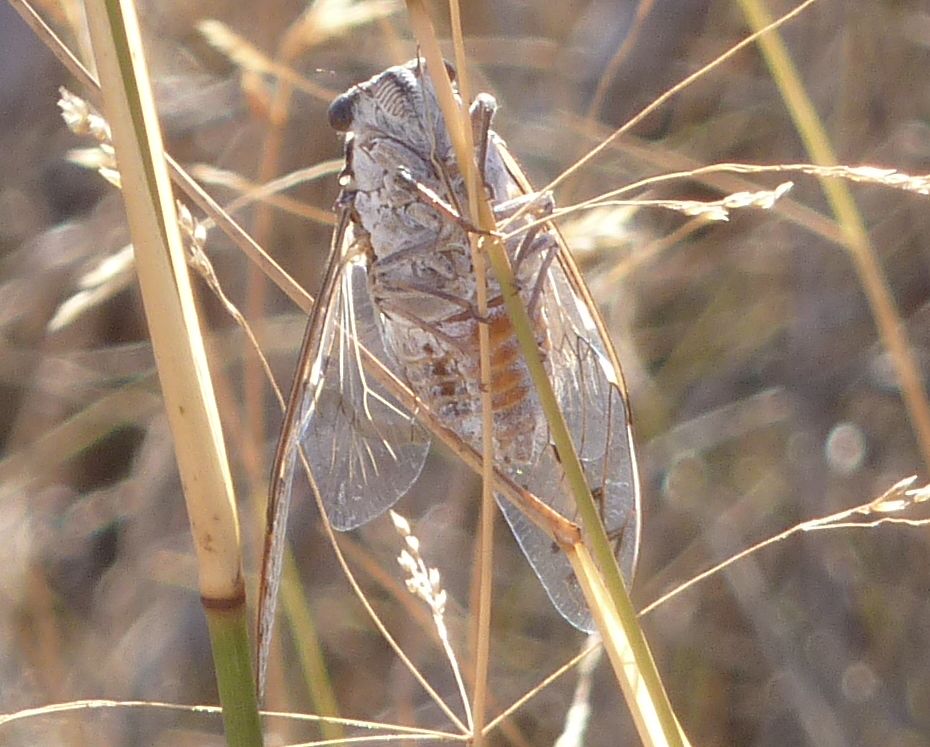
column 179, row 353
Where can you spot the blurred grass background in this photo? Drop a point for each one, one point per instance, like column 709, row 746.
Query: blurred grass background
column 762, row 395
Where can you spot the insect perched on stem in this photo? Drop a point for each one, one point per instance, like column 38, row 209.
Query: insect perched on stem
column 399, row 297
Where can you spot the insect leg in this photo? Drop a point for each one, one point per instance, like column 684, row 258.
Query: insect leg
column 551, row 248
column 541, row 204
column 399, row 312
column 531, row 243
column 422, row 289
column 482, row 112
column 429, row 197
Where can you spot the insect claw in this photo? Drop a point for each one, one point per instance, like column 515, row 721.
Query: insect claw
column 546, row 203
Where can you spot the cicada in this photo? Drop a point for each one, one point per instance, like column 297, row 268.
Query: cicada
column 400, row 289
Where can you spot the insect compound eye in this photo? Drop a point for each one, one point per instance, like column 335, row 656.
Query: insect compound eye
column 340, row 112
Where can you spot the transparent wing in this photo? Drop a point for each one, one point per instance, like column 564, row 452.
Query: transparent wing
column 591, row 393
column 364, row 449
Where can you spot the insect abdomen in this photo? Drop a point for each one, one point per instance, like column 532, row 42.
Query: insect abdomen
column 444, row 368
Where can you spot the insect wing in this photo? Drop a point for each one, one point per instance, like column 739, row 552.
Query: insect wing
column 362, row 450
column 591, row 397
column 591, row 392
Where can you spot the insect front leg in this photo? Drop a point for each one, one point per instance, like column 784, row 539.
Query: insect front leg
column 482, row 112
column 429, row 197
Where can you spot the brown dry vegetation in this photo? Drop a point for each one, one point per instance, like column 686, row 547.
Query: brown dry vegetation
column 762, row 391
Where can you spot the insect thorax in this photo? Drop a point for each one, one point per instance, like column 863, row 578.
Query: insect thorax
column 427, row 295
